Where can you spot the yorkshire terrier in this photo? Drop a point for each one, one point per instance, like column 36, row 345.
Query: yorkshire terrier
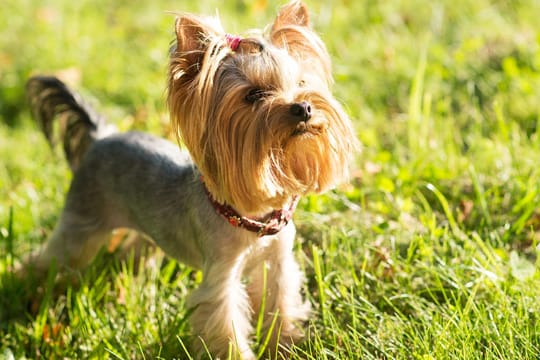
column 261, row 127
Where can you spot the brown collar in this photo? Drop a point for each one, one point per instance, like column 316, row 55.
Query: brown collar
column 269, row 224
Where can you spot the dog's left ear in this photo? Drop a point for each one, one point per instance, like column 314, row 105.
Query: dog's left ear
column 294, row 13
column 292, row 31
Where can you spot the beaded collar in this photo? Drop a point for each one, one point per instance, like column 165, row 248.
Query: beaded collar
column 270, row 224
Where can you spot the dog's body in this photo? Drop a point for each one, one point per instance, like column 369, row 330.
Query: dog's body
column 110, row 190
column 261, row 128
column 138, row 181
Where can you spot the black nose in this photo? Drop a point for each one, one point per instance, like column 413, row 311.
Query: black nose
column 301, row 110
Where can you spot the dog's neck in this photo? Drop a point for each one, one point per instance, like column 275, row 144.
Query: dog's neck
column 269, row 224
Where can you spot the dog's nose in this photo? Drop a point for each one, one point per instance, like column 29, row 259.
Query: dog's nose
column 301, row 110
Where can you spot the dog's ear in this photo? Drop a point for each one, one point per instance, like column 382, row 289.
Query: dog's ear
column 294, row 13
column 292, row 31
column 192, row 39
column 190, row 33
column 291, row 28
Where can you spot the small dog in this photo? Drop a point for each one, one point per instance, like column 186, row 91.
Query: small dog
column 262, row 129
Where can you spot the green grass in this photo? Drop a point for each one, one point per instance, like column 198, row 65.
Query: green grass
column 431, row 251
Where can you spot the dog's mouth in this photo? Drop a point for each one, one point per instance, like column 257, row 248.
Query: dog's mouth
column 308, row 127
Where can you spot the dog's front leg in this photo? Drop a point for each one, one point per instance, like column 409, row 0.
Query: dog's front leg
column 221, row 312
column 284, row 307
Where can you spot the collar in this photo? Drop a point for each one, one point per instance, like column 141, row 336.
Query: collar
column 270, row 224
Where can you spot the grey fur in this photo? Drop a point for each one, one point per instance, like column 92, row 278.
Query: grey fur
column 49, row 98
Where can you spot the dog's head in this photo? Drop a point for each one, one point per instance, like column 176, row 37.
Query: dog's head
column 257, row 113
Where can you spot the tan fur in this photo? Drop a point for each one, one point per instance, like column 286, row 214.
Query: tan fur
column 250, row 154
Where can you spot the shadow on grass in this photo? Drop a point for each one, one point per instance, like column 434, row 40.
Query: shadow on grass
column 80, row 314
column 113, row 308
column 18, row 298
column 23, row 301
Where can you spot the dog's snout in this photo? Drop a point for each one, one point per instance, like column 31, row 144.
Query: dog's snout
column 301, row 111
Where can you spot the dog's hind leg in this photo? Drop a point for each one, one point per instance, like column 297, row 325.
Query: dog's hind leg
column 73, row 243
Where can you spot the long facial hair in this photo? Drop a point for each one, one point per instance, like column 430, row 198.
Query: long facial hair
column 232, row 110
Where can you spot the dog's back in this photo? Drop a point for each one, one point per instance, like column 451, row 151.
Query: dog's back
column 79, row 126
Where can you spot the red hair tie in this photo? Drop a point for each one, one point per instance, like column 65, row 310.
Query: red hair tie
column 233, row 41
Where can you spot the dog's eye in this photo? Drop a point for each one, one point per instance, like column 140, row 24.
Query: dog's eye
column 255, row 95
column 302, row 83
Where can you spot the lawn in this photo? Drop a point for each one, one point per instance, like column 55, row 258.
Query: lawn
column 429, row 252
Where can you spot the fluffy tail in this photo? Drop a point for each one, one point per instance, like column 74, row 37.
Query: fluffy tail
column 78, row 125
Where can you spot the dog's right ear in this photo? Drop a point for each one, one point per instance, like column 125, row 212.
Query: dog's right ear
column 190, row 33
column 193, row 35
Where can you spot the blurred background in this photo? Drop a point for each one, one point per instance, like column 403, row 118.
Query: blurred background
column 435, row 88
column 467, row 51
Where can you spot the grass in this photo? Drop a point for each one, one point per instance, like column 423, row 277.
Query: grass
column 431, row 251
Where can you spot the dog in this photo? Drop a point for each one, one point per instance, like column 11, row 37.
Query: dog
column 261, row 128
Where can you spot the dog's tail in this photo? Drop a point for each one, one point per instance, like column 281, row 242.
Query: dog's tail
column 78, row 125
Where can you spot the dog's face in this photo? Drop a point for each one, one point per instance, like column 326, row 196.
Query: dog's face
column 259, row 121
